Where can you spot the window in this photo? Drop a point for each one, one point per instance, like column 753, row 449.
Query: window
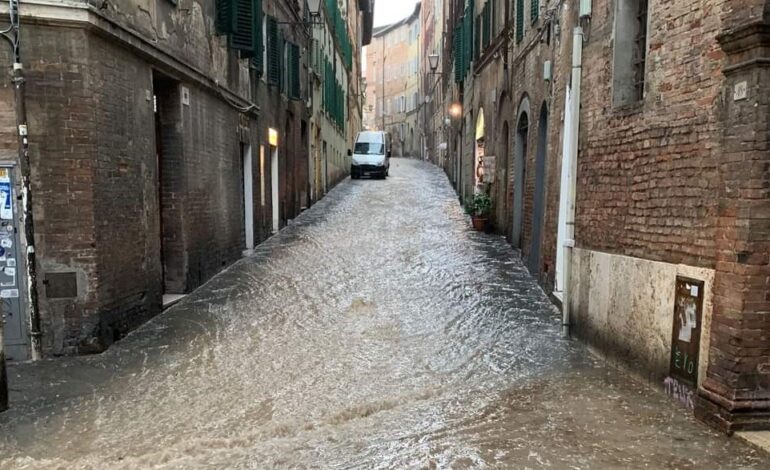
column 519, row 20
column 534, row 10
column 241, row 20
column 630, row 54
column 292, row 71
column 477, row 39
column 486, row 25
column 273, row 52
column 459, row 53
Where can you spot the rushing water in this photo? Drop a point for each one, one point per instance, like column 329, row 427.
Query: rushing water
column 376, row 331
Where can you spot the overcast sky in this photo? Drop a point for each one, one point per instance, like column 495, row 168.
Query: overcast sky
column 390, row 11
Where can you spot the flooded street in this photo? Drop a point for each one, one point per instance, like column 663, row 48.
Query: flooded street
column 377, row 331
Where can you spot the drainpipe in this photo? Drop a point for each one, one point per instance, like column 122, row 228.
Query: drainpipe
column 569, row 242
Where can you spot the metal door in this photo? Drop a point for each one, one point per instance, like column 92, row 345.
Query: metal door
column 11, row 286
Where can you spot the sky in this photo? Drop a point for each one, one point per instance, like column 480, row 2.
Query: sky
column 390, row 11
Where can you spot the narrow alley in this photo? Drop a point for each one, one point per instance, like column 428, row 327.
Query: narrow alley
column 376, row 331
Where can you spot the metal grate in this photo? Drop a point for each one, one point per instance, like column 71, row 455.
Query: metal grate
column 640, row 49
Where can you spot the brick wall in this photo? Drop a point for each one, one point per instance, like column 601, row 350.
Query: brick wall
column 96, row 183
column 62, row 125
column 522, row 81
column 648, row 173
column 736, row 392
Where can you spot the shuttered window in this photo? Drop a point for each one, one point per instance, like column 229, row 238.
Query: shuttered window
column 519, row 20
column 273, row 52
column 257, row 61
column 242, row 38
column 534, row 10
column 292, row 70
column 468, row 36
column 459, row 50
column 225, row 16
column 486, row 27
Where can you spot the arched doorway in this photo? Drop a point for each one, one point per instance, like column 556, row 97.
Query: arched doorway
column 519, row 165
column 478, row 151
column 533, row 260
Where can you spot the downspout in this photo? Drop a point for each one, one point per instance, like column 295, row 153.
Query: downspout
column 569, row 242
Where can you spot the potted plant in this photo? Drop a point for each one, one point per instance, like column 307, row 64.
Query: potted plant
column 478, row 208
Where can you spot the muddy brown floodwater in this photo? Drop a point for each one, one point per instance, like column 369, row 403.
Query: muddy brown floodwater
column 377, row 331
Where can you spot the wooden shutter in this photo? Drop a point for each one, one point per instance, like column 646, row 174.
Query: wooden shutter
column 293, row 71
column 519, row 20
column 459, row 49
column 258, row 61
column 225, row 16
column 486, row 27
column 468, row 37
column 242, row 38
column 273, row 52
column 534, row 10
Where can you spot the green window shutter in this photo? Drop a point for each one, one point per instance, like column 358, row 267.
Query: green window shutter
column 257, row 59
column 458, row 52
column 225, row 16
column 519, row 20
column 242, row 39
column 493, row 22
column 282, row 62
column 486, row 26
column 293, row 70
column 477, row 38
column 534, row 10
column 273, row 52
column 468, row 37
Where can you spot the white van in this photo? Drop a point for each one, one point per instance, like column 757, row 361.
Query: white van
column 371, row 155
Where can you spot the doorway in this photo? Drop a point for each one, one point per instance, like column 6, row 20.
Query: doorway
column 533, row 260
column 274, row 188
column 519, row 166
column 168, row 151
column 248, row 196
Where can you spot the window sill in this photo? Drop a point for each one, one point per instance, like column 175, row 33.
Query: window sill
column 630, row 109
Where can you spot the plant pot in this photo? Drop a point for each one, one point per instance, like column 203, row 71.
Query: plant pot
column 479, row 223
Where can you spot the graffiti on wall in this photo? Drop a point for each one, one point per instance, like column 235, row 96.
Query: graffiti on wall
column 680, row 392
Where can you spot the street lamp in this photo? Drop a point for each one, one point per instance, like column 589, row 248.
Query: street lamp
column 314, row 9
column 455, row 110
column 433, row 62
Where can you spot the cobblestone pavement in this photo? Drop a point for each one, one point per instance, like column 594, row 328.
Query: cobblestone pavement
column 377, row 331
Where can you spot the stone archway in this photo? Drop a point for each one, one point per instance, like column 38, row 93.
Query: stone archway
column 478, row 149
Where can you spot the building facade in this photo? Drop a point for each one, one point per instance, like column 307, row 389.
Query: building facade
column 635, row 198
column 337, row 90
column 393, row 83
column 166, row 142
column 432, row 110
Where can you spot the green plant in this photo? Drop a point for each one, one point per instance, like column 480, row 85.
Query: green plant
column 479, row 205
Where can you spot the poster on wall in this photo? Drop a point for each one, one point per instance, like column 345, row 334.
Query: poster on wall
column 685, row 337
column 6, row 211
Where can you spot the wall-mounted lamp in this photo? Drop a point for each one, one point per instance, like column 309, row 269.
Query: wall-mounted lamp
column 455, row 110
column 314, row 9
